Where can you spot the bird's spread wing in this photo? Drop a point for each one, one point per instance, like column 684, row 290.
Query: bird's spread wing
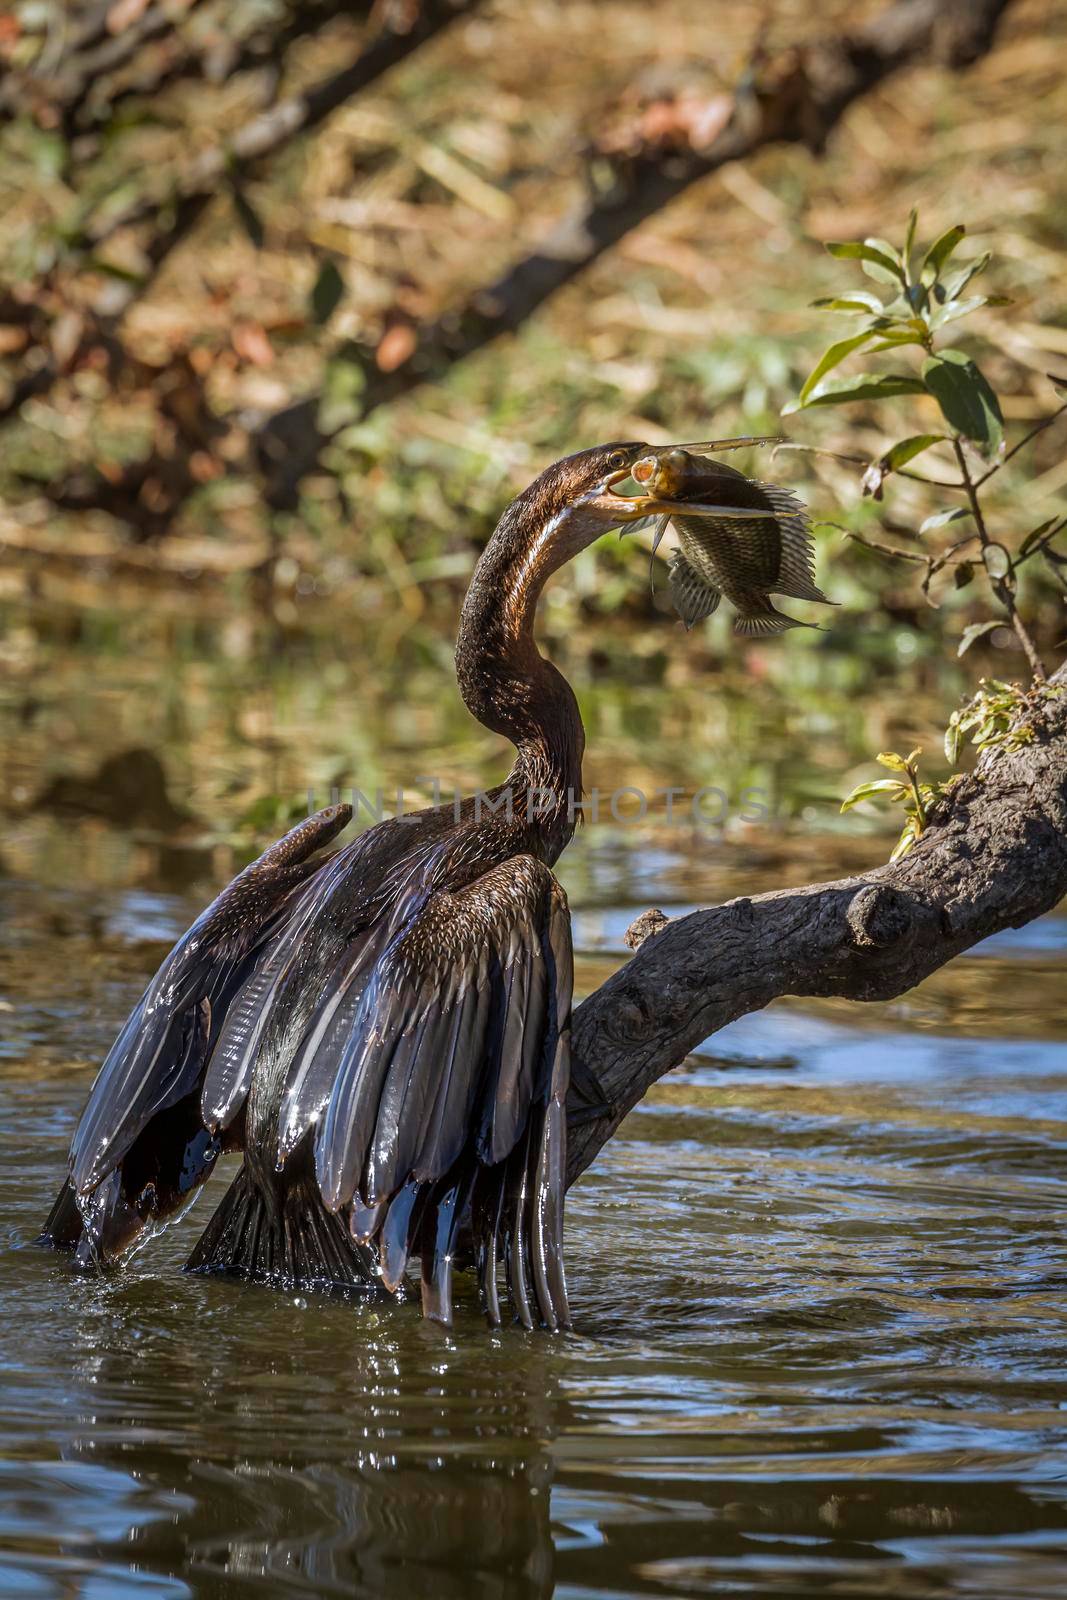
column 158, row 1059
column 433, row 1072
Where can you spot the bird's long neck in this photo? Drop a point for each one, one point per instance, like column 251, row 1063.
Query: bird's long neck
column 505, row 681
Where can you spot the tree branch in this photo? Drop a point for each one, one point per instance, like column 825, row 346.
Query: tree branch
column 263, row 135
column 797, row 98
column 994, row 856
column 182, row 207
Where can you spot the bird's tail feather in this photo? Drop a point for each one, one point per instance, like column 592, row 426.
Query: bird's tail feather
column 64, row 1226
column 289, row 1240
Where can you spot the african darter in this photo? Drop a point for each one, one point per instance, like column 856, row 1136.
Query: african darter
column 383, row 1031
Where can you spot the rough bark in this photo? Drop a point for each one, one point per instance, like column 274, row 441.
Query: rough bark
column 994, row 857
column 797, row 98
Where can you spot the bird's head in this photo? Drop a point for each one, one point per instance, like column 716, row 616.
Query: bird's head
column 575, row 500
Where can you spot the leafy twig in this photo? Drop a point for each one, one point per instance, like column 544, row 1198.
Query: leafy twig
column 1003, row 586
column 1046, row 422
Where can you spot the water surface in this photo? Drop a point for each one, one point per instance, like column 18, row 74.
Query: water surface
column 818, row 1279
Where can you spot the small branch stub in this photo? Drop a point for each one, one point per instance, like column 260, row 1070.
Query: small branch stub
column 644, row 927
column 879, row 916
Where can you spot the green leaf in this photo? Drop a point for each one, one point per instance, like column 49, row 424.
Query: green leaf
column 954, row 309
column 248, row 217
column 967, row 401
column 909, row 237
column 327, row 292
column 833, row 357
column 897, row 337
column 941, row 518
column 1035, row 535
column 906, row 450
column 876, row 270
column 855, row 300
column 955, row 285
column 890, row 759
column 907, row 838
column 940, row 251
column 112, row 269
column 963, row 574
column 953, row 739
column 878, row 786
column 897, row 456
column 877, row 255
column 974, row 631
column 864, row 386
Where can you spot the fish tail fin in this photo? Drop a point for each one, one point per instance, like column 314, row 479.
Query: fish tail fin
column 290, row 1240
column 759, row 619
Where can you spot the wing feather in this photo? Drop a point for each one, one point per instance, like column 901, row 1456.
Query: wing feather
column 153, row 1064
column 443, row 1088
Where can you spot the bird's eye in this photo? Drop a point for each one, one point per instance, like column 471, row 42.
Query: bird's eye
column 618, row 458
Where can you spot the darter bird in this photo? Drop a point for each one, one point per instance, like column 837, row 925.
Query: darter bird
column 382, row 1032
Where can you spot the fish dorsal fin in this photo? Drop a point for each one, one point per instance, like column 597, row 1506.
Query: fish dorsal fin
column 796, row 572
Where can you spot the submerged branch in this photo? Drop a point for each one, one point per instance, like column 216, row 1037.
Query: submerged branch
column 994, row 856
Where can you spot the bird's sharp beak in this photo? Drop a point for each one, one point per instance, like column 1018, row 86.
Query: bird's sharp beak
column 651, row 506
column 620, row 507
column 617, row 504
column 626, row 508
column 634, row 508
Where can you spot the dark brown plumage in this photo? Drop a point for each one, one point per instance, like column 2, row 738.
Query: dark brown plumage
column 382, row 1032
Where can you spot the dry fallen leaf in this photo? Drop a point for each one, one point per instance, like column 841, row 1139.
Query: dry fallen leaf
column 12, row 339
column 396, row 346
column 252, row 344
column 123, row 13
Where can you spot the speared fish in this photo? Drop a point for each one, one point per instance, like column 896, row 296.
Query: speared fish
column 746, row 557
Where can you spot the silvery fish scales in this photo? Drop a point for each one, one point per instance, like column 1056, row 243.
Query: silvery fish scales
column 745, row 560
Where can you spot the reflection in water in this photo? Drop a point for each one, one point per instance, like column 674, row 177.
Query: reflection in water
column 371, row 1463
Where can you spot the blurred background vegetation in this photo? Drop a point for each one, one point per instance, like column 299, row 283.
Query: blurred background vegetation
column 254, row 430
